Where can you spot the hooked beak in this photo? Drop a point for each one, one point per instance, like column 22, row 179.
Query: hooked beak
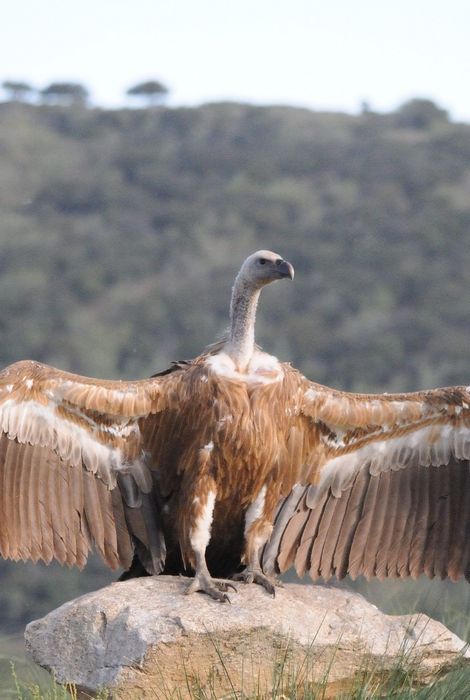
column 286, row 269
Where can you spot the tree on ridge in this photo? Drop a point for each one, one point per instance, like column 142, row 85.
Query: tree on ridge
column 152, row 90
column 17, row 90
column 64, row 93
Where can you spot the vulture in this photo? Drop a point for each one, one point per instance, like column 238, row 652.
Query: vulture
column 234, row 465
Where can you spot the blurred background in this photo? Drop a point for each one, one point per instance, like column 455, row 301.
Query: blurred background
column 146, row 148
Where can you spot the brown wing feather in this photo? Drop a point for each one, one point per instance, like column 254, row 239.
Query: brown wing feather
column 391, row 476
column 352, row 519
column 432, row 524
column 358, row 554
column 435, row 550
column 320, row 542
column 331, row 541
column 460, row 537
column 402, row 513
column 46, row 550
column 422, row 481
column 445, row 519
column 64, row 441
column 386, row 541
column 52, row 510
column 303, row 555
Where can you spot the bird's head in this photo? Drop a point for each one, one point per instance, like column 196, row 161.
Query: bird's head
column 264, row 267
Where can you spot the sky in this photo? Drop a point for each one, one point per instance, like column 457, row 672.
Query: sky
column 324, row 55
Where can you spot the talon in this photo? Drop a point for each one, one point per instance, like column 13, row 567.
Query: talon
column 204, row 584
column 226, row 585
column 244, row 576
column 251, row 576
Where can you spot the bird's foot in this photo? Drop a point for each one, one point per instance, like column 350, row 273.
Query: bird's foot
column 217, row 590
column 250, row 575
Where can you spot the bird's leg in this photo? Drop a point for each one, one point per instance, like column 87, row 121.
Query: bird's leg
column 253, row 572
column 204, row 583
column 199, row 537
column 257, row 531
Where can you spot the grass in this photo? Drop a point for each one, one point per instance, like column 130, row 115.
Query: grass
column 12, row 653
column 288, row 684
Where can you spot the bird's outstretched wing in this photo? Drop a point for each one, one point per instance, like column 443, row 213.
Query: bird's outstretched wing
column 379, row 485
column 72, row 472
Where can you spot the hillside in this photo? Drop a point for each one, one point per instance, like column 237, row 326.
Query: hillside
column 121, row 231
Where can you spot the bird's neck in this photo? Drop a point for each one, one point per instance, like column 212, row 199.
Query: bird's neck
column 241, row 343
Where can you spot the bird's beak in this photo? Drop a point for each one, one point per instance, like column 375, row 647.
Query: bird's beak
column 286, row 269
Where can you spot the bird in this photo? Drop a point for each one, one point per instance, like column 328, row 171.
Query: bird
column 234, row 466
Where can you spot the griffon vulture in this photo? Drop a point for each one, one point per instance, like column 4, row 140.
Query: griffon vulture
column 234, row 459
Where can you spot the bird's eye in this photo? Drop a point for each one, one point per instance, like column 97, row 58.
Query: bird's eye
column 262, row 261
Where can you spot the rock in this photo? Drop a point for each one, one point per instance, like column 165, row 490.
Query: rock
column 144, row 638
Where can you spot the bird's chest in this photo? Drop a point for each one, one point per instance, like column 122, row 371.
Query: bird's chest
column 245, row 443
column 227, row 436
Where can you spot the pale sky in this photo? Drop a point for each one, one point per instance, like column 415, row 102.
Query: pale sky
column 327, row 55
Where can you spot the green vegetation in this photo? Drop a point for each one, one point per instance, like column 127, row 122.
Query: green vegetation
column 121, row 231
